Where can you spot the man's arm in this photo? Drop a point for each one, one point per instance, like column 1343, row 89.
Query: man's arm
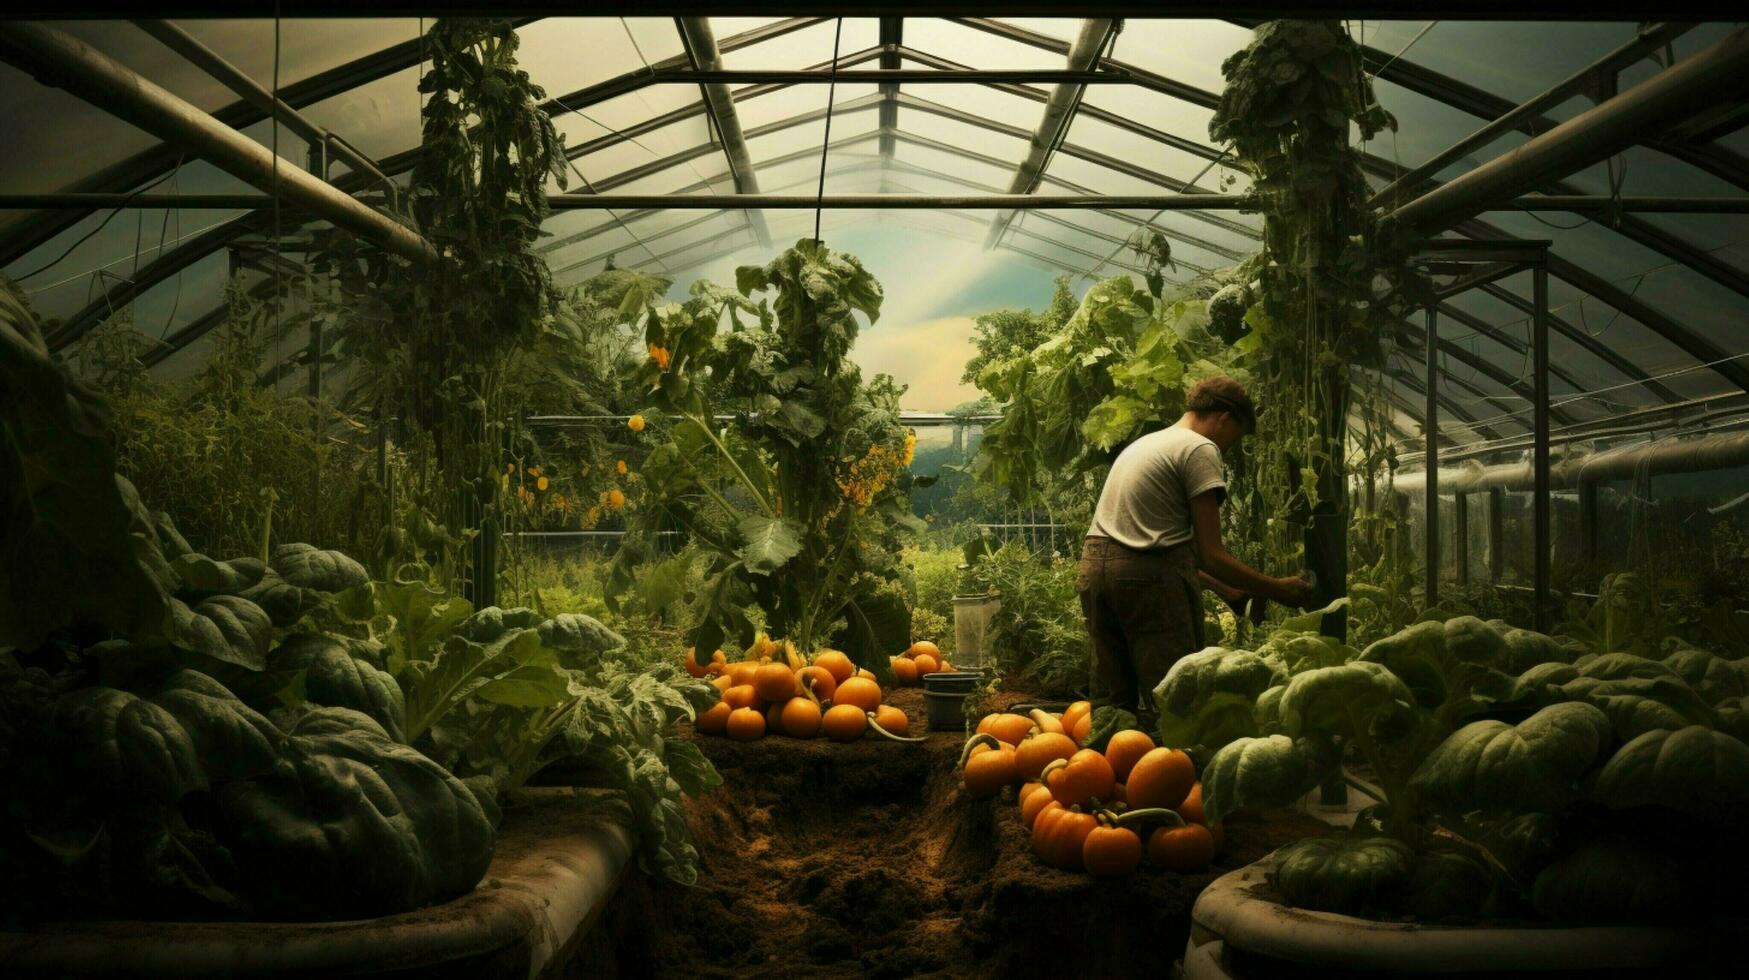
column 1213, row 558
column 1227, row 593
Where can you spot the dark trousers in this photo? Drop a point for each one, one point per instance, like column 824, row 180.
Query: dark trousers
column 1144, row 612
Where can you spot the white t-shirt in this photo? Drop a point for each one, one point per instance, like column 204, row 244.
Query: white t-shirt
column 1145, row 503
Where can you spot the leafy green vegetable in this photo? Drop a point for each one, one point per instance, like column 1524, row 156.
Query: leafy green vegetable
column 224, row 627
column 1534, row 765
column 1353, row 876
column 307, row 567
column 335, row 678
column 1271, row 771
column 1694, row 770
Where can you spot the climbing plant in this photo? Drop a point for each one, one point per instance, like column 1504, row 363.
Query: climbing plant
column 434, row 342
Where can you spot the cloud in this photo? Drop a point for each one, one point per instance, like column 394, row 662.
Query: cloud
column 927, row 355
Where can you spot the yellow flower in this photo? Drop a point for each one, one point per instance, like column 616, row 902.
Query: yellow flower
column 541, row 484
column 635, row 423
column 510, row 467
column 661, row 356
column 523, row 495
column 620, row 467
column 593, row 516
column 910, row 448
column 616, row 499
column 534, row 471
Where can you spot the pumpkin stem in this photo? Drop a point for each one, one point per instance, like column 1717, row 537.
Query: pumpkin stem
column 897, row 738
column 1153, row 814
column 982, row 738
column 1044, row 776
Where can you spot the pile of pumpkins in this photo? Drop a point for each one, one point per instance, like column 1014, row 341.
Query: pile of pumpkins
column 1099, row 812
column 774, row 690
column 924, row 657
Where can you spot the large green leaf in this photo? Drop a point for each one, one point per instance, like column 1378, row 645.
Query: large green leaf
column 534, row 686
column 1270, row 771
column 1350, row 875
column 421, row 617
column 768, row 543
column 1535, row 765
column 1340, row 700
column 308, row 567
column 1694, row 770
column 224, row 627
column 436, row 688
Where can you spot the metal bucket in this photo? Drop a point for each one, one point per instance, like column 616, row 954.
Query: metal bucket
column 944, row 695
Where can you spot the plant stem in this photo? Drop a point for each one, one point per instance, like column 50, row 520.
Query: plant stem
column 723, row 451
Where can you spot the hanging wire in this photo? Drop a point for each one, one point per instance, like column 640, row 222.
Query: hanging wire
column 1405, row 49
column 87, row 236
column 826, row 144
column 277, row 297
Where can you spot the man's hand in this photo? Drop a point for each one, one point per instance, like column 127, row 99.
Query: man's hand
column 1295, row 591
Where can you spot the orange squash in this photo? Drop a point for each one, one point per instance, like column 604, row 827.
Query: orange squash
column 926, row 664
column 1064, row 838
column 746, row 724
column 904, row 671
column 743, row 673
column 774, row 682
column 741, row 696
column 1074, row 713
column 1027, row 789
column 1082, row 729
column 861, row 693
column 1037, row 751
column 774, row 716
column 946, row 667
column 836, row 662
column 894, row 720
column 1082, row 780
column 1035, row 804
column 723, row 681
column 1111, row 852
column 867, row 675
column 924, row 647
column 801, row 718
column 1160, row 778
column 1044, row 721
column 1191, row 808
column 1125, row 749
column 1187, row 848
column 697, row 669
column 986, row 773
column 1010, row 728
column 844, row 723
column 1041, row 824
column 817, row 678
column 715, row 720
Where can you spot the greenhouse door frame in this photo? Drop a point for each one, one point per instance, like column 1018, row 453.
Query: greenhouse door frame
column 1461, row 256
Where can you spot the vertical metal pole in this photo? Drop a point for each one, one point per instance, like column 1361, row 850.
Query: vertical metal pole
column 1496, row 534
column 1430, row 428
column 1460, row 536
column 1540, row 355
column 1588, row 521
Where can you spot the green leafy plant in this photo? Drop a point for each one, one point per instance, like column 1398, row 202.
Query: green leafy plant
column 1038, row 633
column 798, row 504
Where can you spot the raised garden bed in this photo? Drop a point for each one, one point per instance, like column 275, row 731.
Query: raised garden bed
column 1241, row 931
column 867, row 859
column 556, row 867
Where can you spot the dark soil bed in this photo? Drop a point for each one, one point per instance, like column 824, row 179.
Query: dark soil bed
column 867, row 859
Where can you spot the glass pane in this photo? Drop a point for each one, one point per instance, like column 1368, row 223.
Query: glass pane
column 804, row 48
column 1188, row 51
column 1513, row 59
column 975, row 48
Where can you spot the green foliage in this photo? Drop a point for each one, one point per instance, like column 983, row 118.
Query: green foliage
column 1350, row 875
column 798, row 507
column 1038, row 632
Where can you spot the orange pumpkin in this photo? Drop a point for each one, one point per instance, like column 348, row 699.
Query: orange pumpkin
column 715, row 720
column 904, row 671
column 1042, row 821
column 1010, row 728
column 1125, row 749
column 893, row 719
column 926, row 664
column 987, row 772
column 1074, row 713
column 697, row 669
column 1083, row 729
column 867, row 675
column 1064, row 838
column 1111, row 852
column 836, row 662
column 774, row 716
column 801, row 718
column 745, row 724
column 1027, row 790
column 859, row 692
column 741, row 696
column 946, row 667
column 1160, row 778
column 1037, row 751
column 819, row 679
column 924, row 647
column 774, row 682
column 743, row 673
column 723, row 681
column 1117, row 795
column 1187, row 848
column 1035, row 804
column 1082, row 779
column 844, row 723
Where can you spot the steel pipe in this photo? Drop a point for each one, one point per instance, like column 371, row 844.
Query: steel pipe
column 701, row 44
column 1053, row 124
column 1714, row 452
column 57, row 58
column 1430, row 427
column 1544, row 542
column 1717, row 73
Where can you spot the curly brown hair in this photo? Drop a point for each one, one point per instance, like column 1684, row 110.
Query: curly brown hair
column 1222, row 394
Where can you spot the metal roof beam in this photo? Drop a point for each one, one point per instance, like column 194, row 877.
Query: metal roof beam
column 1418, row 338
column 1059, row 112
column 58, row 58
column 892, row 38
column 701, row 47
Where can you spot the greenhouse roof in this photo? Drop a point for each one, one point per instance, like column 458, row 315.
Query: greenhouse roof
column 1648, row 257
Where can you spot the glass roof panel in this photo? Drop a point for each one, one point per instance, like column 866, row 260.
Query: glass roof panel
column 962, row 134
column 1513, row 59
column 1103, row 137
column 564, row 54
column 623, row 112
column 931, row 158
column 981, row 100
column 380, row 118
column 1064, row 29
column 1188, row 51
column 970, row 46
column 1186, row 120
column 803, row 48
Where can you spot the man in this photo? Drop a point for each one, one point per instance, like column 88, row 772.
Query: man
column 1155, row 544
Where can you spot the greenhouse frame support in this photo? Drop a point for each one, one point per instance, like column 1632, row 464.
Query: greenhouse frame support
column 1496, row 534
column 701, row 46
column 1540, row 460
column 1460, row 536
column 59, row 59
column 1430, row 429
